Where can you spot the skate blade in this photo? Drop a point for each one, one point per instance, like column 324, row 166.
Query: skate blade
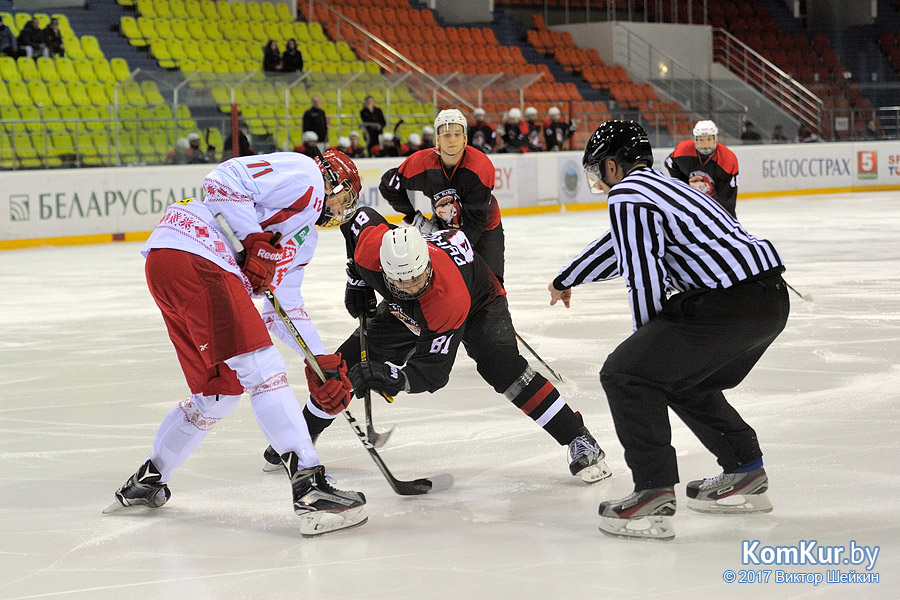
column 114, row 508
column 736, row 504
column 595, row 473
column 270, row 468
column 655, row 528
column 316, row 523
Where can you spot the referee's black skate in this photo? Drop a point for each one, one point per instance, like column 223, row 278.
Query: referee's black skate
column 321, row 507
column 731, row 493
column 645, row 515
column 143, row 489
column 586, row 458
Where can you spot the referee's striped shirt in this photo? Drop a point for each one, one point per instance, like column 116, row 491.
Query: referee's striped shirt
column 664, row 237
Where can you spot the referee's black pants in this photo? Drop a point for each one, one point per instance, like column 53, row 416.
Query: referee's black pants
column 702, row 342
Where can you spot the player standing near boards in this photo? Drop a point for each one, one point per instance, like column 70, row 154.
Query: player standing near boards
column 458, row 181
column 203, row 288
column 707, row 165
column 707, row 299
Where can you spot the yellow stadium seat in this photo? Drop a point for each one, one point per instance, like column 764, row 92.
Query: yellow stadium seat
column 39, row 93
column 9, row 70
column 193, row 9
column 159, row 49
column 84, row 68
column 180, row 30
column 162, row 9
column 273, row 32
column 145, row 8
column 21, row 19
column 18, row 91
column 93, row 118
column 301, row 32
column 239, row 9
column 71, row 117
column 102, row 70
column 176, row 51
column 5, row 98
column 129, row 27
column 208, row 50
column 59, row 94
column 283, row 12
column 51, row 117
column 78, row 94
column 208, row 7
column 27, row 68
column 97, row 93
column 43, row 19
column 47, row 68
column 120, row 68
column 254, row 12
column 195, row 29
column 31, row 117
column 11, row 120
column 73, row 46
column 268, row 11
column 225, row 12
column 151, row 92
column 128, row 3
column 164, row 29
column 315, row 32
column 179, row 10
column 91, row 47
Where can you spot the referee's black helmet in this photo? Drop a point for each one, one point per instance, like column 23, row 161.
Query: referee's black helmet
column 625, row 141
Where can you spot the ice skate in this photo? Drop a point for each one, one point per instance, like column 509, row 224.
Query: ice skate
column 731, row 493
column 321, row 507
column 142, row 489
column 586, row 458
column 273, row 461
column 645, row 515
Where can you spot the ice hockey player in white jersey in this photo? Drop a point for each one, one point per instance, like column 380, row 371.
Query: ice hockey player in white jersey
column 203, row 288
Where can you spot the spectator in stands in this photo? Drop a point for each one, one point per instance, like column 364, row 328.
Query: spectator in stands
column 309, row 146
column 195, row 155
column 314, row 119
column 535, row 131
column 271, row 56
column 482, row 134
column 805, row 135
column 244, row 148
column 292, row 59
column 427, row 137
column 373, row 122
column 750, row 135
column 413, row 144
column 8, row 43
column 53, row 39
column 357, row 150
column 557, row 131
column 778, row 136
column 31, row 40
column 871, row 131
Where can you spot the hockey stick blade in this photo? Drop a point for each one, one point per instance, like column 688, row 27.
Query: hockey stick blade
column 804, row 297
column 425, row 485
column 558, row 377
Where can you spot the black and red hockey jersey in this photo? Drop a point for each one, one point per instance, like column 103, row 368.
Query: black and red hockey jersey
column 719, row 170
column 461, row 285
column 460, row 199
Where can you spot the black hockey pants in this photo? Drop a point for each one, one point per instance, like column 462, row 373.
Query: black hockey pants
column 702, row 342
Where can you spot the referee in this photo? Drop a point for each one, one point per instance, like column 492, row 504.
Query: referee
column 707, row 299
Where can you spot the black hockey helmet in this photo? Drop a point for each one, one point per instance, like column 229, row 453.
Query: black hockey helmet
column 625, row 141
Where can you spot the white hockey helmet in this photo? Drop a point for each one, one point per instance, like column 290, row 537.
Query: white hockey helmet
column 310, row 137
column 479, row 112
column 554, row 112
column 706, row 134
column 531, row 113
column 405, row 263
column 354, row 134
column 514, row 114
column 428, row 130
column 387, row 137
column 448, row 117
column 343, row 142
column 415, row 139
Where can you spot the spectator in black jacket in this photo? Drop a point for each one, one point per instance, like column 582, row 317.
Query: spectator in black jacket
column 271, row 56
column 314, row 119
column 8, row 43
column 292, row 59
column 372, row 121
column 53, row 39
column 31, row 40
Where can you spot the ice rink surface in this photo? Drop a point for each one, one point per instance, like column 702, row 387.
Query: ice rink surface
column 88, row 373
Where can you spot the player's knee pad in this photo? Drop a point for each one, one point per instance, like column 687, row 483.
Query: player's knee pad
column 259, row 369
column 203, row 412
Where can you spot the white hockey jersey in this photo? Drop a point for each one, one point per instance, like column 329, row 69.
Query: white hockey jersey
column 279, row 192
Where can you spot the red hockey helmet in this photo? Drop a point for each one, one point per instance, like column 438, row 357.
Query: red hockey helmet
column 342, row 187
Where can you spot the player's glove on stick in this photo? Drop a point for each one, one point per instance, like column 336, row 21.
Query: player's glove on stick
column 333, row 395
column 424, row 225
column 263, row 253
column 359, row 298
column 382, row 378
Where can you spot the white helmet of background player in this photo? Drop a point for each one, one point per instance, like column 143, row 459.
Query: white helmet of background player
column 479, row 114
column 554, row 114
column 405, row 263
column 531, row 114
column 706, row 134
column 310, row 137
column 514, row 114
column 342, row 188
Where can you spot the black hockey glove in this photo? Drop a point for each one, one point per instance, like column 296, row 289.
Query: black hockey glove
column 359, row 298
column 382, row 378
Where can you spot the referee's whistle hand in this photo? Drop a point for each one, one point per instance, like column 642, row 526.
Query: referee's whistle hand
column 557, row 295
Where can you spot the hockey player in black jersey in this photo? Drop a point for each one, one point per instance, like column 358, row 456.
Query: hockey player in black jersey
column 458, row 180
column 482, row 135
column 707, row 165
column 557, row 131
column 707, row 299
column 439, row 294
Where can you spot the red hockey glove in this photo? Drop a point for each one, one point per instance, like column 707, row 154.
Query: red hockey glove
column 262, row 254
column 333, row 395
column 384, row 379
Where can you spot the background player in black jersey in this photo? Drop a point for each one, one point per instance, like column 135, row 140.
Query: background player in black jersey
column 707, row 165
column 482, row 135
column 458, row 181
column 728, row 302
column 557, row 131
column 437, row 295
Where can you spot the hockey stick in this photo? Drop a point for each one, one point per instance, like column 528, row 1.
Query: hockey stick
column 805, row 297
column 403, row 488
column 530, row 349
column 376, row 439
